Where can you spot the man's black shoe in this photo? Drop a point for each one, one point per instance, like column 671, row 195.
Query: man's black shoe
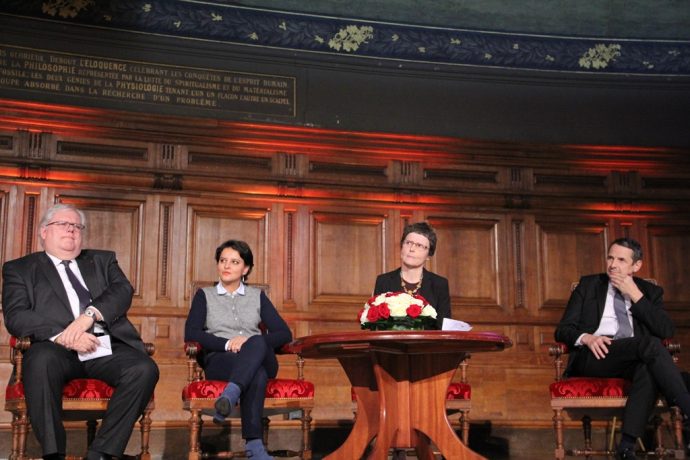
column 626, row 454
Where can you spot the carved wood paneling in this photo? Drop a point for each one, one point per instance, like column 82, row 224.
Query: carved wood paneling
column 568, row 250
column 211, row 225
column 31, row 221
column 114, row 223
column 347, row 256
column 467, row 254
column 3, row 226
column 165, row 228
column 667, row 259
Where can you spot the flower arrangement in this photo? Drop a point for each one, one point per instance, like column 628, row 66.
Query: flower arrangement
column 397, row 311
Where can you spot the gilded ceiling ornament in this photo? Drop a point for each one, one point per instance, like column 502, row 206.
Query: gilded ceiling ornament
column 600, row 56
column 65, row 8
column 351, row 37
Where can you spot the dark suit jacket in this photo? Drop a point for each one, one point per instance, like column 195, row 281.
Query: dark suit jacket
column 35, row 303
column 586, row 307
column 434, row 289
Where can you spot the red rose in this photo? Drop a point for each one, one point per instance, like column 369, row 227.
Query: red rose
column 373, row 314
column 419, row 297
column 414, row 311
column 384, row 311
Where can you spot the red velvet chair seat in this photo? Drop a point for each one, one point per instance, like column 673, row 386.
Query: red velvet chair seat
column 90, row 389
column 276, row 388
column 587, row 387
column 457, row 390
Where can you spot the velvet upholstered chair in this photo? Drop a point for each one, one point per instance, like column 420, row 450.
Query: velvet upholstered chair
column 284, row 396
column 82, row 399
column 588, row 397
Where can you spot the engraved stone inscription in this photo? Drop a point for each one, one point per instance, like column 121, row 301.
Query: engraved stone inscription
column 145, row 83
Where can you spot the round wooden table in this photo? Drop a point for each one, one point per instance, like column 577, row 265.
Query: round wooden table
column 401, row 379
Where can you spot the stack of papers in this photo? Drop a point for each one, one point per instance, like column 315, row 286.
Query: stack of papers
column 455, row 325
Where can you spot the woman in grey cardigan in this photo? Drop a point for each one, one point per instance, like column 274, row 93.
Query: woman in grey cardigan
column 239, row 330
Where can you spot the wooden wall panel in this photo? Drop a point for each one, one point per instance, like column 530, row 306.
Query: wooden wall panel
column 667, row 261
column 116, row 224
column 467, row 254
column 568, row 249
column 211, row 225
column 3, row 224
column 347, row 257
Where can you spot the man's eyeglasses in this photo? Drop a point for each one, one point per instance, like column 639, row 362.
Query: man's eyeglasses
column 412, row 244
column 66, row 226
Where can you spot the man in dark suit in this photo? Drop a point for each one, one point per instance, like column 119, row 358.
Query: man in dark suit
column 71, row 303
column 615, row 323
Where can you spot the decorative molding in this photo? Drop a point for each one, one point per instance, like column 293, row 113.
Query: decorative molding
column 346, row 169
column 30, row 210
column 83, row 149
column 518, row 241
column 289, row 254
column 290, row 164
column 33, row 145
column 6, row 143
column 570, row 180
column 240, row 25
column 167, row 181
column 218, row 160
column 488, row 177
column 164, row 249
column 405, row 172
column 33, row 172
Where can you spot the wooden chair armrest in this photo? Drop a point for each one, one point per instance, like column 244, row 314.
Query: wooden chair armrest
column 150, row 348
column 194, row 372
column 18, row 345
column 289, row 349
column 192, row 349
column 463, row 368
column 673, row 347
column 557, row 350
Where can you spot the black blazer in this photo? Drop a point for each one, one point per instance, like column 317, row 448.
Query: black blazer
column 586, row 307
column 434, row 289
column 35, row 303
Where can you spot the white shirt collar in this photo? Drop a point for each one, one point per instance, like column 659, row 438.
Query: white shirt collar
column 222, row 291
column 56, row 260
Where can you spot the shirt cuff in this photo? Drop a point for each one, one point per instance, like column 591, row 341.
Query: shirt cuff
column 99, row 317
column 578, row 342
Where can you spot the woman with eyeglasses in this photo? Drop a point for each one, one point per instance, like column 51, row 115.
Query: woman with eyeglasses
column 225, row 319
column 417, row 244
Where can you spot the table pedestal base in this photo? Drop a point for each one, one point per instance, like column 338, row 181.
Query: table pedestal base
column 401, row 402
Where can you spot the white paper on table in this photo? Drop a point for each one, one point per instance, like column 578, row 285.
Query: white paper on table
column 104, row 349
column 455, row 325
